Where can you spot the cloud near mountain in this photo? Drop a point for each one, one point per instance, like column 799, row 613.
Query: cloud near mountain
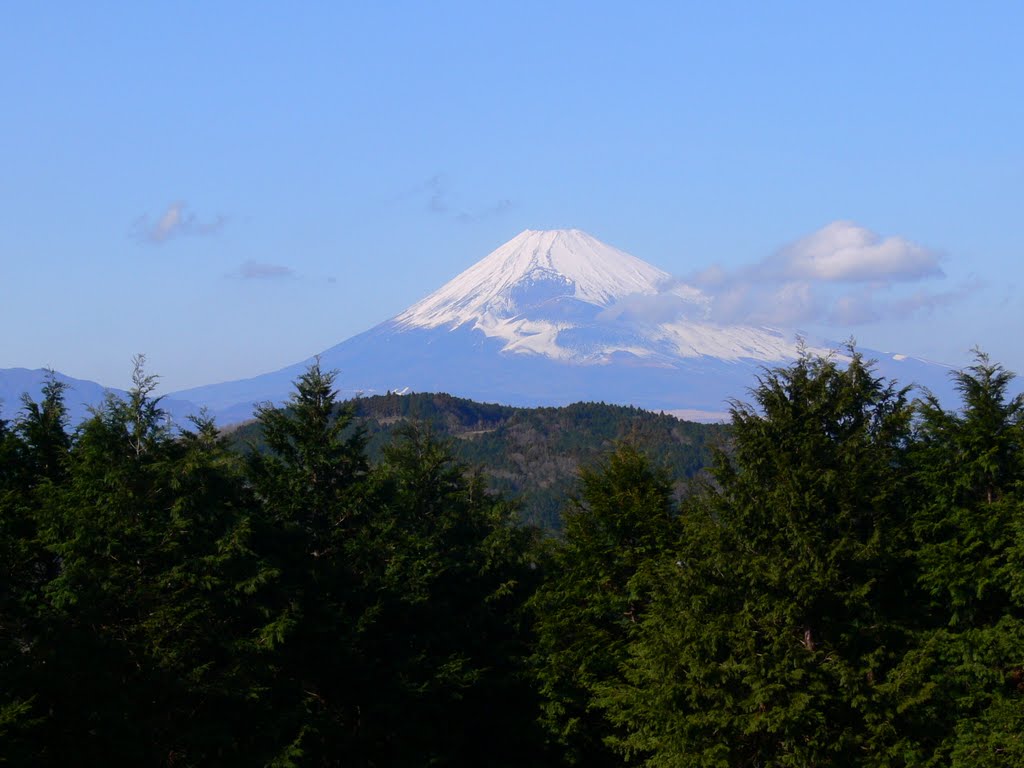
column 842, row 274
column 845, row 252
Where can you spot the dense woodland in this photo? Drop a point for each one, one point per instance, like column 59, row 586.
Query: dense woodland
column 843, row 587
column 530, row 454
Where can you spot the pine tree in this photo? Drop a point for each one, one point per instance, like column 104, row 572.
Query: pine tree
column 310, row 485
column 961, row 688
column 591, row 600
column 448, row 643
column 772, row 626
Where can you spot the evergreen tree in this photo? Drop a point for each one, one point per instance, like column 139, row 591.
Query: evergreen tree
column 961, row 688
column 141, row 622
column 591, row 600
column 310, row 485
column 33, row 459
column 43, row 429
column 773, row 625
column 971, row 464
column 16, row 631
column 448, row 642
column 391, row 634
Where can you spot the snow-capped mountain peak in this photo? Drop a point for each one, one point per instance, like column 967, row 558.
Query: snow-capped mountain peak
column 564, row 295
column 554, row 317
column 532, row 269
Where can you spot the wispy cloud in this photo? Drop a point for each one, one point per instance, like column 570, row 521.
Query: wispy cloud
column 674, row 302
column 257, row 270
column 872, row 305
column 497, row 209
column 437, row 197
column 176, row 221
column 436, row 190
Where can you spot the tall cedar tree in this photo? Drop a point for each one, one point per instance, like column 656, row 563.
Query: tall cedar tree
column 310, row 485
column 33, row 458
column 772, row 626
column 591, row 600
column 961, row 688
column 449, row 642
column 392, row 632
column 140, row 648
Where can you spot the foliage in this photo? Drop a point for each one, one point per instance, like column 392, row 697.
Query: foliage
column 961, row 687
column 783, row 608
column 532, row 454
column 592, row 599
column 449, row 632
column 844, row 587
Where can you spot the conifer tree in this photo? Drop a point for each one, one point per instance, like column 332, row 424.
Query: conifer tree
column 591, row 600
column 971, row 464
column 961, row 688
column 43, row 428
column 773, row 624
column 17, row 635
column 448, row 644
column 33, row 460
column 142, row 619
column 310, row 485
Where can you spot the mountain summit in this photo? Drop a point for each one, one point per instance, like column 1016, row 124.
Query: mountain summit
column 549, row 318
column 565, row 295
column 533, row 269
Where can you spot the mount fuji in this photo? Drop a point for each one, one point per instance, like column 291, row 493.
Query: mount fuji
column 553, row 317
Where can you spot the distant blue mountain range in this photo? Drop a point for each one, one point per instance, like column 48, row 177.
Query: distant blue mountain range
column 81, row 395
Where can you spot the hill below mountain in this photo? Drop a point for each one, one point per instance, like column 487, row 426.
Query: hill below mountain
column 533, row 455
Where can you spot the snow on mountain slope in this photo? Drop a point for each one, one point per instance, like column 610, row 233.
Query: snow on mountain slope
column 533, row 268
column 551, row 318
column 567, row 296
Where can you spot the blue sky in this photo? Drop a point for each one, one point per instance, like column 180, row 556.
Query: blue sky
column 231, row 187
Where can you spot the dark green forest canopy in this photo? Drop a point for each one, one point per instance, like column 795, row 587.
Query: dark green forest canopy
column 532, row 455
column 842, row 587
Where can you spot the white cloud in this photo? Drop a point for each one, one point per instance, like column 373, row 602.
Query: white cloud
column 176, row 221
column 842, row 275
column 674, row 302
column 872, row 304
column 845, row 252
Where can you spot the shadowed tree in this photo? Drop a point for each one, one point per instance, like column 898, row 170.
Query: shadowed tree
column 783, row 609
column 449, row 638
column 961, row 688
column 310, row 484
column 591, row 600
column 33, row 459
column 138, row 660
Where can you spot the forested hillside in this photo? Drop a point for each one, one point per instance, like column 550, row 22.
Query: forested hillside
column 532, row 455
column 843, row 588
